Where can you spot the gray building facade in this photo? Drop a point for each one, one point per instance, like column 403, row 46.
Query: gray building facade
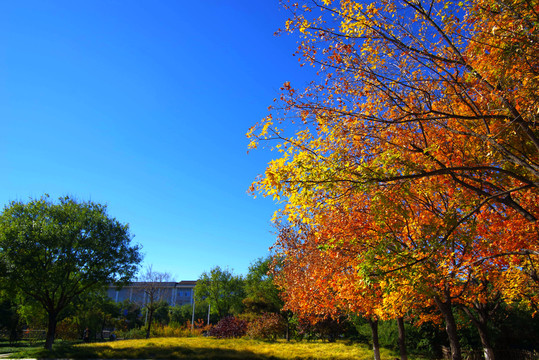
column 174, row 293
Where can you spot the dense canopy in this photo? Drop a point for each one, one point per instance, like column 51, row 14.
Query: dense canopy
column 54, row 252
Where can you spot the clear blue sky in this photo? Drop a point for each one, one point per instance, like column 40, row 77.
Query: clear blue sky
column 144, row 106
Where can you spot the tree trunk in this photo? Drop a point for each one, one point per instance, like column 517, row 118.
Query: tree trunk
column 489, row 353
column 287, row 329
column 480, row 323
column 150, row 318
column 485, row 341
column 450, row 327
column 51, row 329
column 103, row 325
column 402, row 339
column 375, row 342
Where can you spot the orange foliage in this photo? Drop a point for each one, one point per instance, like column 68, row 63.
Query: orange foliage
column 409, row 169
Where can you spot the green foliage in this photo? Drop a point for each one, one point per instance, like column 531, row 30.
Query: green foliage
column 176, row 331
column 161, row 312
column 10, row 324
column 515, row 328
column 130, row 316
column 262, row 296
column 32, row 313
column 135, row 333
column 324, row 329
column 181, row 314
column 95, row 311
column 222, row 290
column 70, row 247
column 425, row 339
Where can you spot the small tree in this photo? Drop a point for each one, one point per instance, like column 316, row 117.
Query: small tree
column 53, row 252
column 154, row 293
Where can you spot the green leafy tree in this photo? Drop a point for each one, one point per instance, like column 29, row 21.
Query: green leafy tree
column 262, row 296
column 130, row 315
column 95, row 311
column 54, row 252
column 223, row 290
column 161, row 315
column 181, row 314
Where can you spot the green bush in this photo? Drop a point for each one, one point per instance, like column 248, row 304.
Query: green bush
column 327, row 329
column 135, row 333
column 425, row 339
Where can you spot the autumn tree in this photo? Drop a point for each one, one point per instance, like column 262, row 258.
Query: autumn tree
column 430, row 110
column 54, row 252
column 320, row 282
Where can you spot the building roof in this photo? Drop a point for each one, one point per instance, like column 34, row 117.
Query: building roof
column 183, row 283
column 187, row 283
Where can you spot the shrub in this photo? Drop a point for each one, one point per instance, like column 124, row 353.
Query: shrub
column 324, row 329
column 169, row 331
column 229, row 327
column 176, row 330
column 268, row 326
column 137, row 333
column 68, row 330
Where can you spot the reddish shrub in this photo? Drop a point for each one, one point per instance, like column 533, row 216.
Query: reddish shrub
column 268, row 326
column 229, row 327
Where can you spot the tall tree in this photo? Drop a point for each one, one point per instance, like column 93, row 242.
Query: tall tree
column 56, row 251
column 424, row 116
column 223, row 291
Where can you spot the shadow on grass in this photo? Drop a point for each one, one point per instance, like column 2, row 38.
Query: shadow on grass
column 7, row 347
column 147, row 352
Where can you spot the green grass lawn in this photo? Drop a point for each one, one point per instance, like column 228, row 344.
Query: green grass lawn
column 7, row 348
column 208, row 348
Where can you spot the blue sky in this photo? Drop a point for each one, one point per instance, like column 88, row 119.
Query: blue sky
column 144, row 106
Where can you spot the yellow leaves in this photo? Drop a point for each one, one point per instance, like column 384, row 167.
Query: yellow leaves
column 372, row 8
column 365, row 165
column 304, row 26
column 288, row 24
column 253, row 143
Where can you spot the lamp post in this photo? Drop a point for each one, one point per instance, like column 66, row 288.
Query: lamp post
column 193, row 316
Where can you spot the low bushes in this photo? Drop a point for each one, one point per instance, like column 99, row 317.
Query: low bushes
column 229, row 327
column 137, row 333
column 172, row 330
column 268, row 326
